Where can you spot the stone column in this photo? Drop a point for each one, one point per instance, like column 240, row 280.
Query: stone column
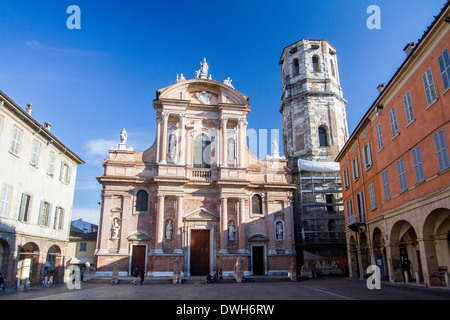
column 241, row 142
column 165, row 116
column 288, row 227
column 182, row 146
column 428, row 259
column 224, row 141
column 159, row 120
column 271, row 232
column 224, row 226
column 179, row 226
column 242, row 234
column 160, row 225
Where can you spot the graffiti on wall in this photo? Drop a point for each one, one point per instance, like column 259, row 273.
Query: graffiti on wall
column 328, row 266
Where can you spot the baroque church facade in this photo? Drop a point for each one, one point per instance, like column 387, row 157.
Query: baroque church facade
column 197, row 200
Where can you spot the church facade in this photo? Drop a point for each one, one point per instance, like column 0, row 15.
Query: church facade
column 197, row 199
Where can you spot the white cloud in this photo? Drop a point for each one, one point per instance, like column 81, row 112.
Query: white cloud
column 99, row 147
column 91, row 215
column 39, row 46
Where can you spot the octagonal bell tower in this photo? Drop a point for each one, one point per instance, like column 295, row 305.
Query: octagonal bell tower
column 313, row 106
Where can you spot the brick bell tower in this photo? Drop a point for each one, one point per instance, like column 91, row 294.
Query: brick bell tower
column 314, row 129
column 313, row 106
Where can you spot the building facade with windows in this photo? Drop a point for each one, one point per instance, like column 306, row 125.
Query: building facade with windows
column 36, row 188
column 314, row 130
column 197, row 200
column 396, row 169
column 81, row 247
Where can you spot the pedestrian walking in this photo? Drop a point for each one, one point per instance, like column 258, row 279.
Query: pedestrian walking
column 135, row 275
column 220, row 275
column 142, row 275
column 208, row 278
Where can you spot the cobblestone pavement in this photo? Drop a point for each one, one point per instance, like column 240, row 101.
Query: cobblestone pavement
column 314, row 289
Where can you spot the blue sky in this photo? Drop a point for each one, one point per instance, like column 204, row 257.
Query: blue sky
column 91, row 83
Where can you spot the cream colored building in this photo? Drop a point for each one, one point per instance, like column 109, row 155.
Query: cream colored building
column 197, row 195
column 37, row 184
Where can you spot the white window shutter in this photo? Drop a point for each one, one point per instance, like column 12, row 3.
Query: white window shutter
column 69, row 174
column 41, row 212
column 23, row 206
column 50, row 206
column 61, row 171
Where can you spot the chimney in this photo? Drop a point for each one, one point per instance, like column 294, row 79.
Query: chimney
column 29, row 108
column 409, row 48
column 47, row 126
column 380, row 88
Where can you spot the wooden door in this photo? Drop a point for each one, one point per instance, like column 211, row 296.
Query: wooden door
column 258, row 261
column 138, row 258
column 200, row 252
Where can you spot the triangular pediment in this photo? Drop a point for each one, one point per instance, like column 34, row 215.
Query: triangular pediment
column 201, row 214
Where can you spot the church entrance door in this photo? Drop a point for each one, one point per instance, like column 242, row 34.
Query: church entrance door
column 138, row 258
column 200, row 252
column 258, row 260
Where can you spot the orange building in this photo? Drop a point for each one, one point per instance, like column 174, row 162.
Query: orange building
column 395, row 169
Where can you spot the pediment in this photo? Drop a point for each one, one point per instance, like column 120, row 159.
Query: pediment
column 201, row 215
column 203, row 91
column 259, row 237
column 139, row 236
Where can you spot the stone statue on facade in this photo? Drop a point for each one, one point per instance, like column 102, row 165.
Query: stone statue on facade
column 123, row 136
column 115, row 229
column 204, row 70
column 172, row 144
column 205, row 67
column 231, row 231
column 228, row 82
column 169, row 230
column 279, row 229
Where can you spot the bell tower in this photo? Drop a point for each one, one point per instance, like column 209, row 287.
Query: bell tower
column 313, row 106
column 314, row 131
